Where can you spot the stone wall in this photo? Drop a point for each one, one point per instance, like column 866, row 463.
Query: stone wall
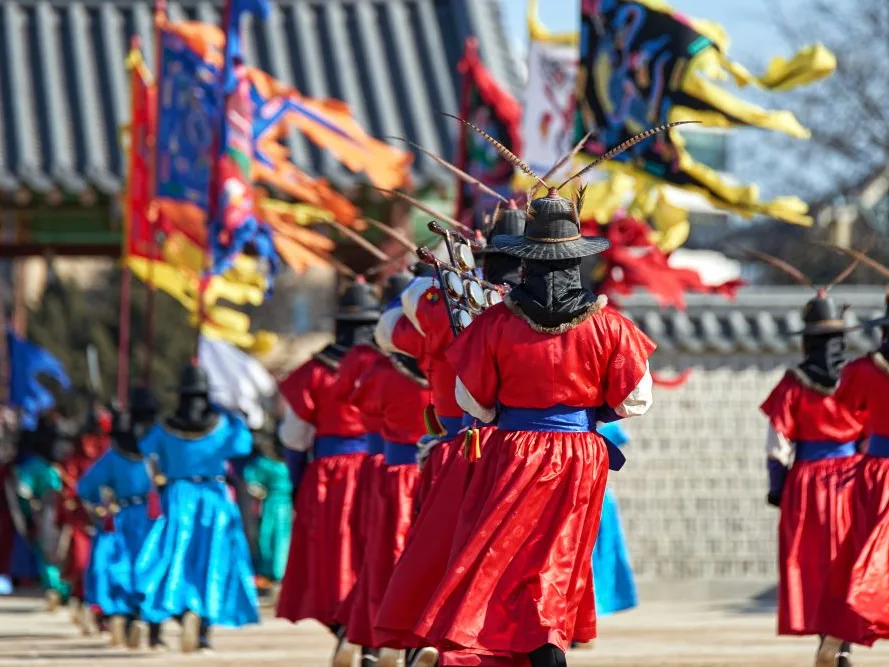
column 692, row 494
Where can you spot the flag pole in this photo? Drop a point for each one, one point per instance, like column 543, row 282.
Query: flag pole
column 126, row 281
column 160, row 15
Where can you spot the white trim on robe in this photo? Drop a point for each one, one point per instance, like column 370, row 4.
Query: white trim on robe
column 296, row 433
column 778, row 447
column 640, row 399
column 466, row 401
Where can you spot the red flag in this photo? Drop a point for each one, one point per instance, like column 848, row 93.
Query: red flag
column 138, row 240
column 633, row 261
column 489, row 106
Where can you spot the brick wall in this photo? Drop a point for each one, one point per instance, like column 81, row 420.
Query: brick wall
column 692, row 494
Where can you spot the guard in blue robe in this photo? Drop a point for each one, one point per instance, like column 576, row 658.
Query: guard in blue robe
column 195, row 564
column 39, row 487
column 119, row 490
column 614, row 584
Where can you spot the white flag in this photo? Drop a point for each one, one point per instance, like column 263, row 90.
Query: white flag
column 548, row 119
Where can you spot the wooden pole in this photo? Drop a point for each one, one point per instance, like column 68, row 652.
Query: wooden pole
column 123, row 337
column 126, row 283
column 160, row 15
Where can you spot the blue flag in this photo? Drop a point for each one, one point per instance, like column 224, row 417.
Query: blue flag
column 189, row 110
column 28, row 363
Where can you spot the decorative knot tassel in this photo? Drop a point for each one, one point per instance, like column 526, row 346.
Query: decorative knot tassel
column 472, row 448
column 434, row 426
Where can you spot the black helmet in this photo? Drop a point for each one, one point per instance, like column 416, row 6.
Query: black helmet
column 552, row 232
column 193, row 381
column 822, row 315
column 143, row 404
column 510, row 222
column 358, row 303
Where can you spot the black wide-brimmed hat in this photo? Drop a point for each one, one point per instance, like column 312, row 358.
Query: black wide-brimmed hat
column 358, row 303
column 552, row 232
column 193, row 381
column 822, row 316
column 510, row 222
column 143, row 404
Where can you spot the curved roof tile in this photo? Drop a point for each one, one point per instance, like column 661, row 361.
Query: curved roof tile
column 759, row 321
column 64, row 96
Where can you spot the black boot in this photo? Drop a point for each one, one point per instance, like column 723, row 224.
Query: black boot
column 344, row 651
column 844, row 656
column 155, row 642
column 204, row 636
column 547, row 656
column 369, row 657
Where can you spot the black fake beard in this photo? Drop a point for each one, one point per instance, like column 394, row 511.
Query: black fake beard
column 824, row 358
column 502, row 269
column 354, row 333
column 551, row 293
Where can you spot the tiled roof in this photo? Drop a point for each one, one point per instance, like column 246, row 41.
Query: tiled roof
column 756, row 322
column 64, row 90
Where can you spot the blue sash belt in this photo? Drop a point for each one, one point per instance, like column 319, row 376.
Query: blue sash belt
column 374, row 443
column 557, row 419
column 472, row 422
column 452, row 426
column 200, row 479
column 336, row 445
column 817, row 450
column 399, row 455
column 878, row 446
column 132, row 501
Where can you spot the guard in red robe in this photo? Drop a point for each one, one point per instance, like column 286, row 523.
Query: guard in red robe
column 425, row 560
column 76, row 526
column 361, row 362
column 545, row 365
column 402, row 393
column 324, row 553
column 812, row 463
column 859, row 579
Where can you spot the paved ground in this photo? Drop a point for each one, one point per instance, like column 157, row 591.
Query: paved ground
column 656, row 635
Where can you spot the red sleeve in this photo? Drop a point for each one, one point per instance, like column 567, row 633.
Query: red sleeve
column 630, row 352
column 353, row 365
column 779, row 407
column 472, row 357
column 406, row 338
column 299, row 390
column 852, row 390
column 368, row 393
